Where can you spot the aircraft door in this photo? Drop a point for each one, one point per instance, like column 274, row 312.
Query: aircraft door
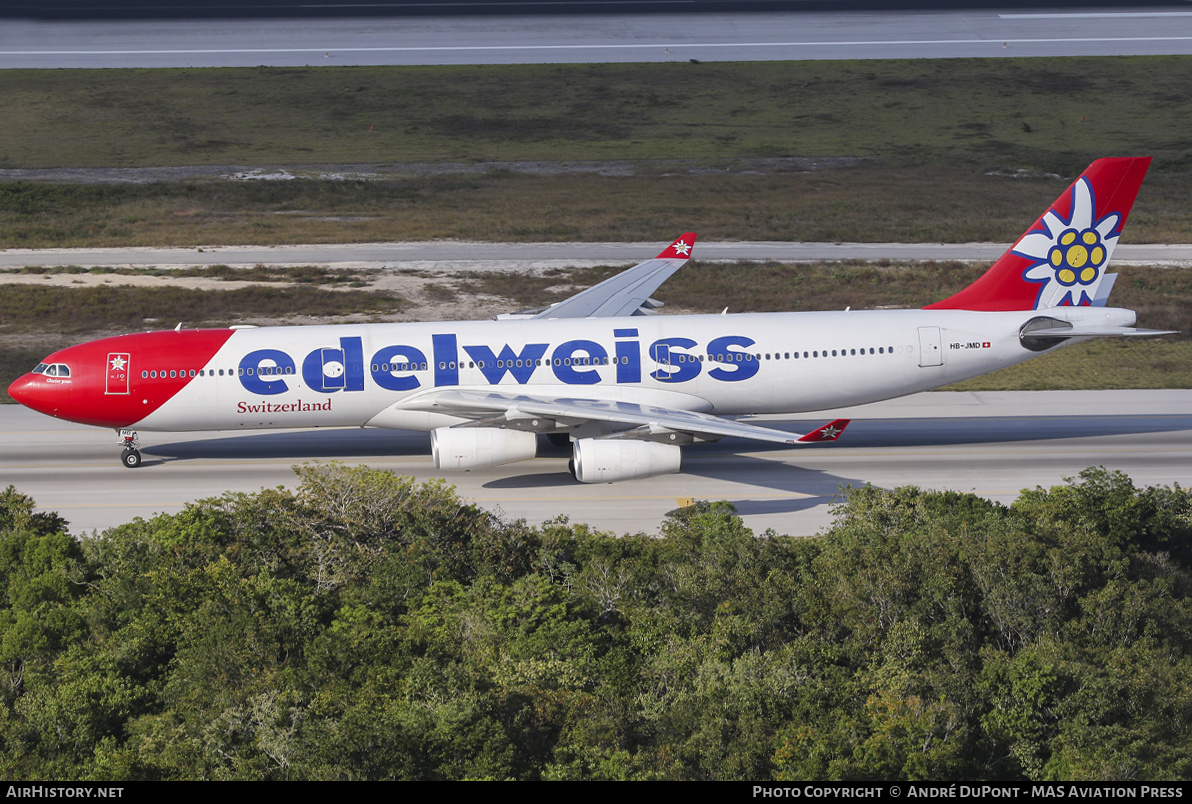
column 117, row 373
column 660, row 352
column 662, row 355
column 931, row 352
column 333, row 369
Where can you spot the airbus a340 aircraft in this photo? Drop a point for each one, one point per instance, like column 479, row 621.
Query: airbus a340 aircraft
column 626, row 388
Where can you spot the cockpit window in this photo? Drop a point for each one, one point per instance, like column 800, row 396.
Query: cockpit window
column 63, row 370
column 41, row 368
column 52, row 371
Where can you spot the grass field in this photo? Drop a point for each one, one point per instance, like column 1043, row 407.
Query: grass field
column 865, row 203
column 1041, row 114
column 949, row 150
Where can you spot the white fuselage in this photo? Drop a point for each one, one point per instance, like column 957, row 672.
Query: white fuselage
column 386, row 375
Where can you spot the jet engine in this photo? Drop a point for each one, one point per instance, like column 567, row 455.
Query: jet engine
column 476, row 447
column 607, row 460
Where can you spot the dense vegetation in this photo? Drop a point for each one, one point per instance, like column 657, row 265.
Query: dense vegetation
column 367, row 627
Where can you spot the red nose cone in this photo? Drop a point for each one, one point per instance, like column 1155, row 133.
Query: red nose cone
column 33, row 391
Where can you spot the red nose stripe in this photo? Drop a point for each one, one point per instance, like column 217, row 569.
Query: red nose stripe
column 106, row 385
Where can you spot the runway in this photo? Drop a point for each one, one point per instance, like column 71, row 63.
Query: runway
column 991, row 444
column 549, row 39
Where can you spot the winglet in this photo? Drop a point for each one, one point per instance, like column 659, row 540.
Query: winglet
column 829, row 432
column 680, row 249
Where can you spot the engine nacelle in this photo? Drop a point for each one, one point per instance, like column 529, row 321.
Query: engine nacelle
column 475, row 447
column 607, row 460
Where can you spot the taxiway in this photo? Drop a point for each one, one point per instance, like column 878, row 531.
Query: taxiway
column 457, row 255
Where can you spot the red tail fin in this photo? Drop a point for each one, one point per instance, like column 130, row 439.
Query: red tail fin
column 1061, row 260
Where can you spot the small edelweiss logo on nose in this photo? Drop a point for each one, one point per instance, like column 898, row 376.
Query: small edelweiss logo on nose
column 1077, row 257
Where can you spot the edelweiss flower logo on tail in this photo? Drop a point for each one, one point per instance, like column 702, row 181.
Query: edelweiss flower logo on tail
column 1070, row 255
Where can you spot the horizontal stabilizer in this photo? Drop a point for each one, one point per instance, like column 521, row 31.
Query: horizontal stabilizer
column 1098, row 332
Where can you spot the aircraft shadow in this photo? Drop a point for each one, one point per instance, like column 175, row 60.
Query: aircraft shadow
column 298, row 445
column 808, row 488
column 724, row 461
column 721, row 462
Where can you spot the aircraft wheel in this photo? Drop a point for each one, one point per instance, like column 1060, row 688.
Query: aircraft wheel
column 571, row 467
column 131, row 458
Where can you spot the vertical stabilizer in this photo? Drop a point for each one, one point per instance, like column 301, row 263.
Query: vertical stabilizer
column 1061, row 261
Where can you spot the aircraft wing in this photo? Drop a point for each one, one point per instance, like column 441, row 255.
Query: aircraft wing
column 627, row 293
column 659, row 420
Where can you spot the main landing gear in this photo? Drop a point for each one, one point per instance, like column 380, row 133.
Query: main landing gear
column 131, row 456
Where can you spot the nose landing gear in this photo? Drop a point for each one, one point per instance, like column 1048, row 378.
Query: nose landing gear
column 130, row 456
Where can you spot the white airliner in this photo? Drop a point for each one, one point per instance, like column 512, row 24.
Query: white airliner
column 626, row 388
